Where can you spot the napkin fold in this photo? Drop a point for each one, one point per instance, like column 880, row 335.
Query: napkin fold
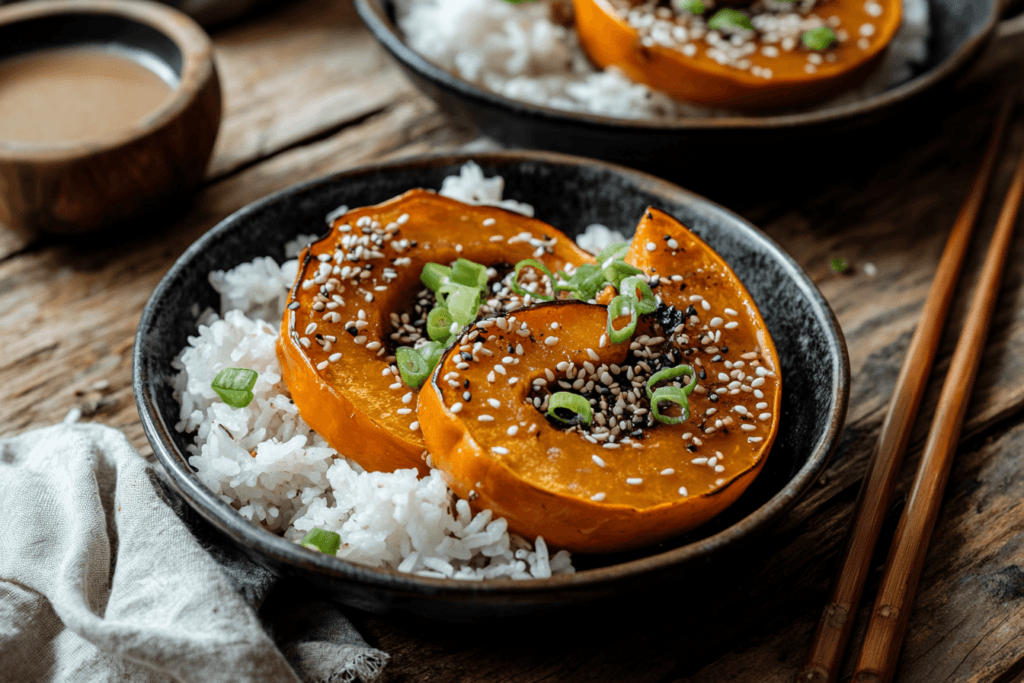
column 105, row 575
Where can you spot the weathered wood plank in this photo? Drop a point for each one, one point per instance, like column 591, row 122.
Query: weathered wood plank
column 297, row 72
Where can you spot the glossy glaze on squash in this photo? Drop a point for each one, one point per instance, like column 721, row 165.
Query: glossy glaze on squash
column 692, row 74
column 335, row 347
column 501, row 452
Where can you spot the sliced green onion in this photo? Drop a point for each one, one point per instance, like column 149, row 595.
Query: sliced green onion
column 616, row 308
column 820, row 38
column 468, row 273
column 539, row 266
column 670, row 374
column 434, row 275
column 646, row 303
column 691, row 6
column 323, row 540
column 617, row 271
column 439, row 324
column 462, row 303
column 729, row 18
column 675, row 395
column 234, row 386
column 412, row 366
column 586, row 281
column 615, row 250
column 566, row 400
column 431, row 352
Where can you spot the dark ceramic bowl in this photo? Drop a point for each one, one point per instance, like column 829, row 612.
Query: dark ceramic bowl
column 569, row 193
column 959, row 32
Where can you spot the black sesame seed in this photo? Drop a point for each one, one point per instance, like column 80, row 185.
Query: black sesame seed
column 691, row 448
column 466, row 356
column 293, row 305
column 725, row 349
column 691, row 311
column 351, row 329
column 465, row 384
column 702, row 374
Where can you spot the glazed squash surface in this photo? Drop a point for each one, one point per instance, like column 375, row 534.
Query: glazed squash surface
column 769, row 77
column 344, row 314
column 625, row 481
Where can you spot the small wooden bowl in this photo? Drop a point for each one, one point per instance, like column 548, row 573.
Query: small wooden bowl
column 78, row 187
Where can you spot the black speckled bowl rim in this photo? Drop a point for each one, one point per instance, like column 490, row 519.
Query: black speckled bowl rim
column 276, row 551
column 373, row 15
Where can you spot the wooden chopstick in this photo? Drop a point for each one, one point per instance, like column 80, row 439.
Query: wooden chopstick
column 833, row 630
column 877, row 660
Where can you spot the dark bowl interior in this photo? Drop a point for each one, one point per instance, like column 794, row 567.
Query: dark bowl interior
column 686, row 148
column 569, row 193
column 91, row 28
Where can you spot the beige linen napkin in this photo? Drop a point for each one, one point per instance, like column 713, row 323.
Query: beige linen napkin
column 100, row 580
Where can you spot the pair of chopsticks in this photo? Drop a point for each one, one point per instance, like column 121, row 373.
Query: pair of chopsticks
column 880, row 650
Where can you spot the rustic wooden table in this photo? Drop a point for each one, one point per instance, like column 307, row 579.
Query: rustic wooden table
column 308, row 92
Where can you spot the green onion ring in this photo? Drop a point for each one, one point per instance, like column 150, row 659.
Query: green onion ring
column 412, row 366
column 646, row 300
column 539, row 266
column 463, row 303
column 434, row 275
column 234, row 386
column 670, row 374
column 675, row 395
column 615, row 309
column 439, row 324
column 570, row 401
column 323, row 540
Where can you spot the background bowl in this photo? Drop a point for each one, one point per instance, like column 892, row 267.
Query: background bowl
column 569, row 193
column 959, row 32
column 78, row 187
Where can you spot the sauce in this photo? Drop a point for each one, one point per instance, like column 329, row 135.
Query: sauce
column 74, row 94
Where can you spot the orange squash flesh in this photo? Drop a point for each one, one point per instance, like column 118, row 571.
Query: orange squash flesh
column 355, row 401
column 546, row 480
column 610, row 40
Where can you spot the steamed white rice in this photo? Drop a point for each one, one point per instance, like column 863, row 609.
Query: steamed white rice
column 518, row 51
column 279, row 474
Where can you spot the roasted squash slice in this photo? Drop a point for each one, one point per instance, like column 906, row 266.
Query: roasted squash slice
column 625, row 481
column 336, row 346
column 682, row 64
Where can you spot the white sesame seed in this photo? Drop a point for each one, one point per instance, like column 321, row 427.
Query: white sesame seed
column 407, row 398
column 495, row 403
column 311, row 328
column 757, row 383
column 519, row 350
column 705, row 305
column 758, row 393
column 414, row 426
column 598, row 497
column 486, row 418
column 361, row 339
column 396, row 385
column 651, row 246
column 712, row 461
column 764, row 416
column 456, row 407
column 489, row 221
column 867, row 30
column 668, row 471
column 719, row 468
column 716, row 322
column 513, row 430
column 404, row 411
column 683, row 491
column 740, row 409
column 723, row 377
column 322, row 365
column 610, row 445
column 699, row 461
column 754, row 439
column 500, row 450
column 462, row 366
column 747, row 428
column 635, row 481
column 593, row 354
column 551, row 341
column 732, row 326
column 334, row 357
column 373, row 346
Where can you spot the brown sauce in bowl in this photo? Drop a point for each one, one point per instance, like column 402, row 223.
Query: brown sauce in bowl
column 75, row 94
